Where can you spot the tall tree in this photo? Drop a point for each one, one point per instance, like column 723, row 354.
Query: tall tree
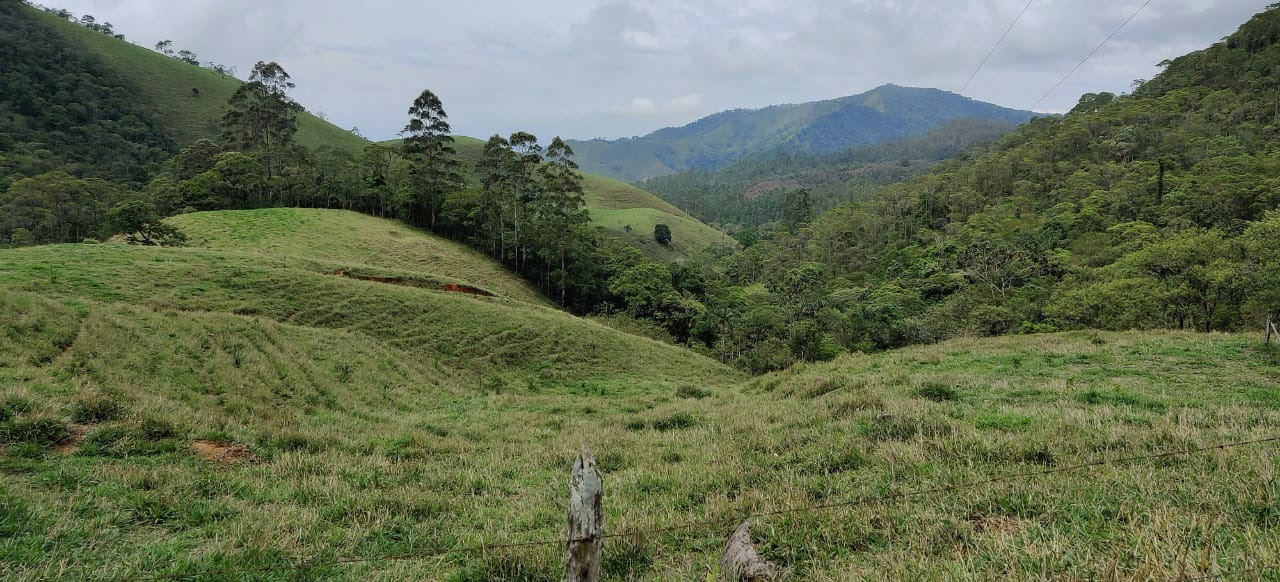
column 560, row 210
column 525, row 188
column 492, row 171
column 433, row 170
column 262, row 119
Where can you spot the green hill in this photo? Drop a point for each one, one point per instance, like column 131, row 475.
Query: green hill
column 187, row 100
column 751, row 192
column 353, row 239
column 883, row 114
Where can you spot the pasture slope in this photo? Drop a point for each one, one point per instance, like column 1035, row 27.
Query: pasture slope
column 187, row 100
column 234, row 405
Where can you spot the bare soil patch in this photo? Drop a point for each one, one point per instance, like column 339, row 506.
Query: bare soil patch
column 228, row 453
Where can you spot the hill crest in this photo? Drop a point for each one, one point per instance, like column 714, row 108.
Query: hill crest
column 882, row 114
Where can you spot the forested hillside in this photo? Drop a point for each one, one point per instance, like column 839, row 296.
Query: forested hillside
column 1150, row 210
column 883, row 114
column 753, row 192
column 62, row 108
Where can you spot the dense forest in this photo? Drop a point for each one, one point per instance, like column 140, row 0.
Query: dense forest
column 1155, row 209
column 751, row 193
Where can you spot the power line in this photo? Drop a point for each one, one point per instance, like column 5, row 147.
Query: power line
column 1094, row 52
column 867, row 500
column 998, row 43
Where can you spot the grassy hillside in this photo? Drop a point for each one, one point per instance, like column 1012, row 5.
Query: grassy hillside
column 187, row 100
column 353, row 239
column 410, row 309
column 156, row 441
column 885, row 113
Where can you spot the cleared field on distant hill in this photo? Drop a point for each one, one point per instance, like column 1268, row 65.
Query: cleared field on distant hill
column 187, row 100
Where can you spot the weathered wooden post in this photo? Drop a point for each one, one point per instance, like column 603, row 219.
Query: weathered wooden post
column 1271, row 326
column 741, row 563
column 583, row 553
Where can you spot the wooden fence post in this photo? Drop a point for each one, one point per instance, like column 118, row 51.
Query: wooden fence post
column 583, row 553
column 741, row 563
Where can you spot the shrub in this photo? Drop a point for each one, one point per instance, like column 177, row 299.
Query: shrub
column 95, row 408
column 40, row 430
column 154, row 429
column 937, row 392
column 676, row 421
column 690, row 391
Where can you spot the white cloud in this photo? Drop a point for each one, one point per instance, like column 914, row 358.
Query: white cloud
column 641, row 40
column 638, row 106
column 576, row 67
column 685, row 103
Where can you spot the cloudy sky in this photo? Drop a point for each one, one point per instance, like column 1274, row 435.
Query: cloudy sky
column 612, row 68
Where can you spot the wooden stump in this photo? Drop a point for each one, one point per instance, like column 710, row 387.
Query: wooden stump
column 741, row 563
column 583, row 554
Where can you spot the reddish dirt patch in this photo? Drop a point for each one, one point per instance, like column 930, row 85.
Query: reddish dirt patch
column 375, row 279
column 222, row 452
column 456, row 288
column 72, row 444
column 448, row 287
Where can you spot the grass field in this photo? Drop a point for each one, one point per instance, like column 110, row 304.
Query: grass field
column 199, row 410
column 351, row 239
column 187, row 100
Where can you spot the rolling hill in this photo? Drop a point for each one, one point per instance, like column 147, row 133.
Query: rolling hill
column 188, row 101
column 883, row 114
column 156, row 431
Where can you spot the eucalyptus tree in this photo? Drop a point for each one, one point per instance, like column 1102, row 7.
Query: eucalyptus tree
column 434, row 171
column 262, row 119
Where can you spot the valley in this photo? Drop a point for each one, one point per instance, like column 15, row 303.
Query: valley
column 905, row 335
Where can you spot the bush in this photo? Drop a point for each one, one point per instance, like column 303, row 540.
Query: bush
column 690, row 391
column 95, row 408
column 676, row 421
column 41, row 430
column 154, row 429
column 937, row 392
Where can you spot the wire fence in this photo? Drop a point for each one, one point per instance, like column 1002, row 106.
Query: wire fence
column 737, row 518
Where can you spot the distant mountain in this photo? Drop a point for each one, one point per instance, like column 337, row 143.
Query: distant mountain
column 883, row 114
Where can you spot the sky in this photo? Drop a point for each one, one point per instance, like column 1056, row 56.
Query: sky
column 615, row 68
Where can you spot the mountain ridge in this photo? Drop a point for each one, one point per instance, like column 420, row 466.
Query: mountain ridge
column 873, row 117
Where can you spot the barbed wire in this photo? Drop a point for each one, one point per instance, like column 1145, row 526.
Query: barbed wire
column 865, row 500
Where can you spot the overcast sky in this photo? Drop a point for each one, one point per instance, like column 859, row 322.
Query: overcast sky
column 613, row 68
